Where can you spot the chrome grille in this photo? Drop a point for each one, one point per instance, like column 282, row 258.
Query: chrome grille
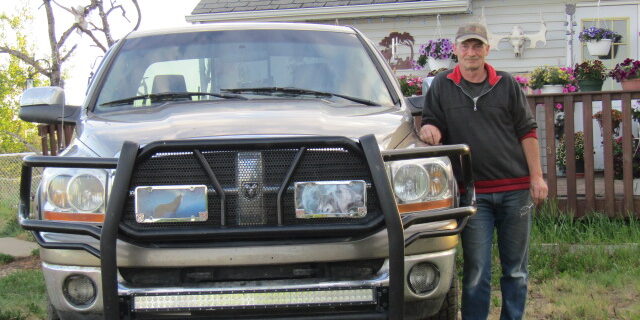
column 250, row 178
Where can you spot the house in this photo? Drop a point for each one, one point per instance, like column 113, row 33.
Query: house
column 414, row 22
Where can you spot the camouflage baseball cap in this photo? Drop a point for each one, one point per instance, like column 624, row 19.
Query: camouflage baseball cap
column 472, row 31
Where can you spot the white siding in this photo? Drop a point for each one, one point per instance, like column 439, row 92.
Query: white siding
column 501, row 17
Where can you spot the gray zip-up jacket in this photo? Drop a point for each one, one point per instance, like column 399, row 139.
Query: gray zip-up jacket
column 493, row 125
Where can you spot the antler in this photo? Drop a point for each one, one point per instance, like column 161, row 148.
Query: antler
column 539, row 36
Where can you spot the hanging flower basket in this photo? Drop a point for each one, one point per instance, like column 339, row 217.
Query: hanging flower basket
column 599, row 47
column 436, row 64
column 438, row 54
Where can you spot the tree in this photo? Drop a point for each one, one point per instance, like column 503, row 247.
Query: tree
column 99, row 32
column 15, row 135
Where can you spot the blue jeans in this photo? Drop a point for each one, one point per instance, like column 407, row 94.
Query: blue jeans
column 506, row 212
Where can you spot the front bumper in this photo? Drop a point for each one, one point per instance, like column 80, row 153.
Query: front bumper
column 131, row 296
column 390, row 296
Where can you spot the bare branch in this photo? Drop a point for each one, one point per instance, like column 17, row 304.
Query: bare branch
column 26, row 59
column 95, row 28
column 135, row 3
column 66, row 35
column 68, row 54
column 63, row 7
column 124, row 13
column 94, row 38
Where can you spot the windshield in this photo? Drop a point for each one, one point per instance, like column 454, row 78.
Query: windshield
column 219, row 61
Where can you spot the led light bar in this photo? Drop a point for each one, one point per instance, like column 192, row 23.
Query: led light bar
column 253, row 299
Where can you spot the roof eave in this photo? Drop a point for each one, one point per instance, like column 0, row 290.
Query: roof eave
column 339, row 12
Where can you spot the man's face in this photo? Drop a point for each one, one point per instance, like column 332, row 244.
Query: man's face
column 471, row 54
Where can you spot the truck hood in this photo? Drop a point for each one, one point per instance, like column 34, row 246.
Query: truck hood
column 104, row 133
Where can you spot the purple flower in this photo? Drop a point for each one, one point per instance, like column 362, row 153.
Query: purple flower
column 594, row 33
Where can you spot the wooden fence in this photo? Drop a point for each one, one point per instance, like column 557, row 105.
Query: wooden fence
column 610, row 204
column 54, row 138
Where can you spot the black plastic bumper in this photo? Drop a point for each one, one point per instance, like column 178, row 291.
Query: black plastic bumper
column 125, row 165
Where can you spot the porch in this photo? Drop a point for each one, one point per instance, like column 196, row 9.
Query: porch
column 594, row 190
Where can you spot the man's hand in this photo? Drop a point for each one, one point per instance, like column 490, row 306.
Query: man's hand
column 538, row 189
column 430, row 134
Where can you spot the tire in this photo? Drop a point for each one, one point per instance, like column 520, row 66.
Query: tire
column 449, row 308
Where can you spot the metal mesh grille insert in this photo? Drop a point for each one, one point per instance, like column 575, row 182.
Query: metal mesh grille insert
column 250, row 179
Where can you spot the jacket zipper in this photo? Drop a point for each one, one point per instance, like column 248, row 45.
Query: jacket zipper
column 475, row 100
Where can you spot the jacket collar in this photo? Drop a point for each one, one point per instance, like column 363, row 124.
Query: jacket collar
column 456, row 75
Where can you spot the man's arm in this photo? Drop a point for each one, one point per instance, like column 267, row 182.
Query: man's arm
column 538, row 186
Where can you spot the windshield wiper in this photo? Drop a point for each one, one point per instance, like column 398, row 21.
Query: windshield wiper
column 299, row 91
column 167, row 96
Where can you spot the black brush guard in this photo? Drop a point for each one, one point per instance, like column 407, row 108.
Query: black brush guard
column 108, row 234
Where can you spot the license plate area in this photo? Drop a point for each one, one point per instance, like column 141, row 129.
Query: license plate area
column 331, row 199
column 184, row 203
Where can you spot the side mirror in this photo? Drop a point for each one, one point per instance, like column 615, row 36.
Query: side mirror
column 46, row 105
column 415, row 104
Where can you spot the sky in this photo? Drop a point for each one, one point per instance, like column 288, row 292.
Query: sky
column 155, row 14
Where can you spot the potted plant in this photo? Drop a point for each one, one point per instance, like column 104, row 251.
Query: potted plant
column 616, row 119
column 598, row 40
column 590, row 75
column 561, row 152
column 437, row 53
column 523, row 82
column 627, row 73
column 552, row 79
column 410, row 86
column 618, row 161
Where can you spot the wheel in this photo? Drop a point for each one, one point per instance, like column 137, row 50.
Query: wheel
column 449, row 308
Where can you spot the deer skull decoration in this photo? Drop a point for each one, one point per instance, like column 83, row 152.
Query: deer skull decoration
column 517, row 38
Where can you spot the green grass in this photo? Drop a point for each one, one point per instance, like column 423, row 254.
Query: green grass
column 9, row 226
column 22, row 295
column 553, row 226
column 5, row 258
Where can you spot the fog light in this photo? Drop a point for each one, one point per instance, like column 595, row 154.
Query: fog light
column 79, row 290
column 423, row 277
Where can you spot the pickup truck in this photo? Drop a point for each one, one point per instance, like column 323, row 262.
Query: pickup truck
column 245, row 171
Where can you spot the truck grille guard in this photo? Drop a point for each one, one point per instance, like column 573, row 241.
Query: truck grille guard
column 109, row 232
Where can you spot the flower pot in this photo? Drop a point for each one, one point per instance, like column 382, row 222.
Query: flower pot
column 631, row 84
column 599, row 47
column 551, row 88
column 613, row 52
column 436, row 64
column 590, row 85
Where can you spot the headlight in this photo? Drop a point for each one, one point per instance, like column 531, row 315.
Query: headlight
column 411, row 182
column 74, row 194
column 86, row 192
column 57, row 191
column 422, row 184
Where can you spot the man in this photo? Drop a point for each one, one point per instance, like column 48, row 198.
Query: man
column 476, row 105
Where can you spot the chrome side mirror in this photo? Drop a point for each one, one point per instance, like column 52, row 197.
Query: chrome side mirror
column 46, row 105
